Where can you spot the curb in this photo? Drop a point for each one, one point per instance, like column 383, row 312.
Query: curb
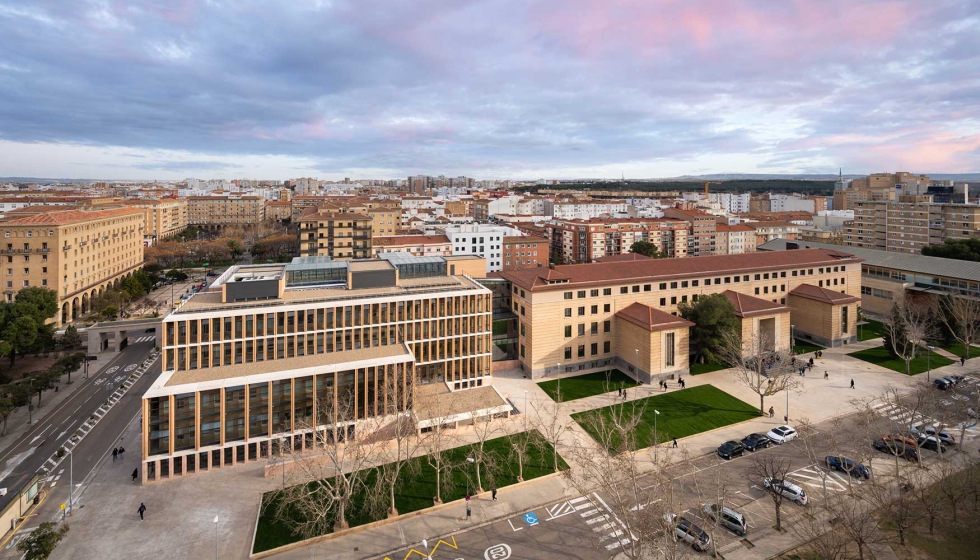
column 382, row 522
column 54, row 460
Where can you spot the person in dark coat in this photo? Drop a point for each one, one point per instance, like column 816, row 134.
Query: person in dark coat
column 493, row 492
column 142, row 510
column 115, row 453
column 136, row 473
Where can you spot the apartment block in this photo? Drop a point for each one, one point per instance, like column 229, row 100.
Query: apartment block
column 270, row 355
column 418, row 245
column 702, row 227
column 522, row 251
column 590, row 317
column 910, row 223
column 335, row 235
column 163, row 218
column 585, row 241
column 225, row 210
column 77, row 253
column 734, row 240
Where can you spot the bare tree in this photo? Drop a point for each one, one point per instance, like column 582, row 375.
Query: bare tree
column 438, row 440
column 895, row 504
column 950, row 486
column 322, row 495
column 807, row 436
column 485, row 429
column 906, row 328
column 522, row 446
column 550, row 421
column 774, row 468
column 759, row 365
column 822, row 541
column 961, row 315
column 857, row 521
column 638, row 506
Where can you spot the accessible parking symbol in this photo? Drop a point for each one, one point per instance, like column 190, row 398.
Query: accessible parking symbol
column 530, row 519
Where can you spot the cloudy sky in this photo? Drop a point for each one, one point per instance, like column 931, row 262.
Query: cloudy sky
column 492, row 89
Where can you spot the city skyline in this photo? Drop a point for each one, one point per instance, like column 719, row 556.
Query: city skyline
column 491, row 90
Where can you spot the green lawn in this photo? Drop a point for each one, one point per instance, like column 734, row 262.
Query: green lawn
column 698, row 369
column 958, row 348
column 682, row 413
column 417, row 490
column 880, row 357
column 873, row 329
column 804, row 347
column 587, row 385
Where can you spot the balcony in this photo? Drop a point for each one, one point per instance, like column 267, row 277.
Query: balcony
column 66, row 247
column 42, row 250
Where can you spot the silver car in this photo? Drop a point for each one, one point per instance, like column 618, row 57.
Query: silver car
column 685, row 530
column 786, row 489
column 727, row 518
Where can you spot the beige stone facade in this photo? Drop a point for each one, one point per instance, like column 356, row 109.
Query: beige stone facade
column 335, row 235
column 225, row 210
column 163, row 218
column 909, row 224
column 564, row 309
column 78, row 254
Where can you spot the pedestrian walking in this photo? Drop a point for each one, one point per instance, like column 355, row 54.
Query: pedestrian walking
column 136, row 473
column 115, row 453
column 772, row 411
column 624, row 394
column 493, row 492
column 962, row 360
column 852, row 384
column 826, row 375
column 121, row 451
column 142, row 510
column 619, row 392
column 469, row 512
column 675, row 442
column 665, row 386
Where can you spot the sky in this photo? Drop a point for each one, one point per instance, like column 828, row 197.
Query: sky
column 521, row 89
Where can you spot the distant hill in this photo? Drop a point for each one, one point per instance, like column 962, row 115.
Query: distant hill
column 803, row 186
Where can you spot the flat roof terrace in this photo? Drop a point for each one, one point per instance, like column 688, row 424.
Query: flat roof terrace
column 211, row 301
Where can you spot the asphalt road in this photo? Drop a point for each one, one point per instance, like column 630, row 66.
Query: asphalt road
column 27, row 456
column 586, row 527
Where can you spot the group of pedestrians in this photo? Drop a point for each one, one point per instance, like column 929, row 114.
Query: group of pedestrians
column 117, row 452
column 680, row 383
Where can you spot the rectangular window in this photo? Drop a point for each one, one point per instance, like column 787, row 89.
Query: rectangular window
column 607, row 291
column 605, row 347
column 594, row 293
column 594, row 328
column 673, row 300
column 636, row 289
column 684, row 284
column 595, row 309
column 694, row 283
column 568, row 312
column 581, row 311
column 581, row 350
column 606, row 326
column 624, row 290
column 594, row 348
column 663, row 285
column 669, row 348
column 581, row 294
column 606, row 308
column 647, row 287
column 663, row 301
column 581, row 329
column 568, row 331
column 843, row 319
column 568, row 352
column 568, row 295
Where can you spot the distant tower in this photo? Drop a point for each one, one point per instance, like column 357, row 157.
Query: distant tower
column 840, row 185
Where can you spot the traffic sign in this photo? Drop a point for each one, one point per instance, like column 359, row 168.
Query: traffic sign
column 530, row 519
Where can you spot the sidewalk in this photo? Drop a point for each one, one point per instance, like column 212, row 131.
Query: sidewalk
column 17, row 424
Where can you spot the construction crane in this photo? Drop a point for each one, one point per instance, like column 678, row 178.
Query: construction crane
column 706, row 183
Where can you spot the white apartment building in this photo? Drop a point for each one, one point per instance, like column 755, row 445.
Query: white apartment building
column 790, row 203
column 584, row 209
column 484, row 240
column 731, row 202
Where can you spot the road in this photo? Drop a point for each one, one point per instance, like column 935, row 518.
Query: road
column 586, row 527
column 28, row 455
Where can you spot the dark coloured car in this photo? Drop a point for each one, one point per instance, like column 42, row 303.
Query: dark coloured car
column 943, row 384
column 932, row 444
column 906, row 452
column 845, row 465
column 956, row 378
column 730, row 450
column 753, row 442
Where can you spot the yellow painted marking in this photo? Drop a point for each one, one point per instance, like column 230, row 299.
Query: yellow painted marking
column 434, row 549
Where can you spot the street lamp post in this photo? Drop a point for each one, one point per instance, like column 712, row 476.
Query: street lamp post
column 215, row 537
column 472, row 461
column 71, row 481
column 637, row 350
column 787, row 405
column 929, row 350
column 425, row 544
column 656, row 436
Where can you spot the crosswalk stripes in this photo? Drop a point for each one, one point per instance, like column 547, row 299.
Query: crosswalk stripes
column 606, row 523
column 143, row 339
column 813, row 476
column 908, row 417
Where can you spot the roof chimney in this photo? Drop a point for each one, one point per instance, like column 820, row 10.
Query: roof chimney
column 551, row 266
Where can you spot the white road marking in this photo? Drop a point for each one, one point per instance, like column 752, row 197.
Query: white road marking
column 38, row 436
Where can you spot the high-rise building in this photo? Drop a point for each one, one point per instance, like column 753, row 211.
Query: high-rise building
column 910, row 223
column 585, row 241
column 335, row 235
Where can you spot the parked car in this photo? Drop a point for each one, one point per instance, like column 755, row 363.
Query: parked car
column 730, row 450
column 781, row 434
column 845, row 465
column 894, row 448
column 904, row 438
column 753, row 442
column 727, row 518
column 956, row 378
column 943, row 384
column 943, row 435
column 786, row 489
column 687, row 531
column 932, row 444
column 971, row 412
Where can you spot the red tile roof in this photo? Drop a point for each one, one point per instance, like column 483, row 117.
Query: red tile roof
column 816, row 293
column 625, row 257
column 652, row 319
column 71, row 217
column 607, row 273
column 748, row 306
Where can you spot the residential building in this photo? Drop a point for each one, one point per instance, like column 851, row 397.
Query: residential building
column 211, row 211
column 270, row 354
column 701, row 230
column 767, row 231
column 77, row 253
column 483, row 240
column 583, row 209
column 418, row 245
column 162, row 218
column 592, row 317
column 910, row 223
column 735, row 239
column 279, row 210
column 335, row 235
column 584, row 241
column 521, row 251
column 385, row 222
